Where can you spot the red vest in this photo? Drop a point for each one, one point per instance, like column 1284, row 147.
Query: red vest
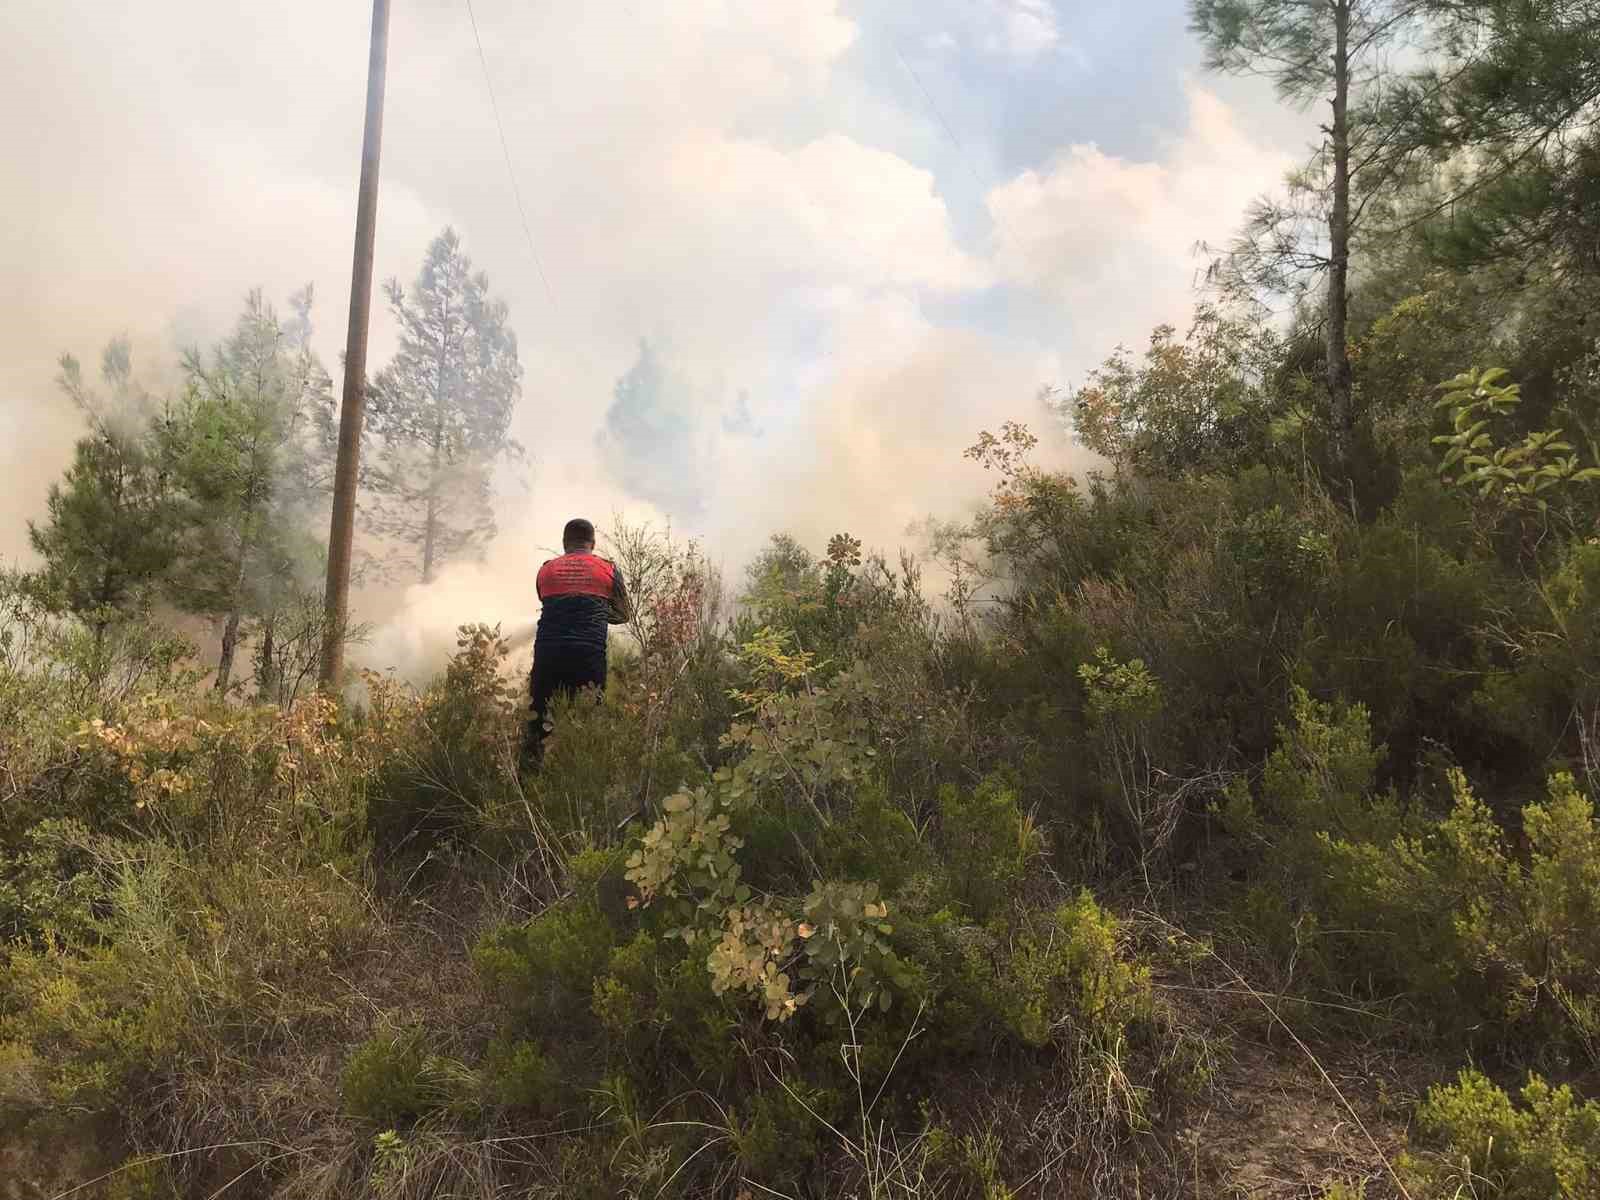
column 576, row 592
column 580, row 573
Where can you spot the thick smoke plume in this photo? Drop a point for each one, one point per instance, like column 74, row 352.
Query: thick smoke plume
column 844, row 269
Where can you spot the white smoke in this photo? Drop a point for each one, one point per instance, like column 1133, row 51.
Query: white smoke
column 748, row 186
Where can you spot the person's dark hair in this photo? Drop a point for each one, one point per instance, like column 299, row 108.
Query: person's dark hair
column 578, row 532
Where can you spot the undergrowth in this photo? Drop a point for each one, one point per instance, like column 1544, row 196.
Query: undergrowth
column 843, row 892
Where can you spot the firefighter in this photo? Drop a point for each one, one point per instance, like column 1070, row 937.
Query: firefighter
column 581, row 595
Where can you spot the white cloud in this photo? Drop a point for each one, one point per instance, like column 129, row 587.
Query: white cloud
column 1112, row 240
column 831, row 211
column 1028, row 27
column 1014, row 29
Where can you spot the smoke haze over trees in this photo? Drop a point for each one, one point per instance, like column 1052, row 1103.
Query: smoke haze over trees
column 440, row 412
column 108, row 537
column 1012, row 769
column 243, row 447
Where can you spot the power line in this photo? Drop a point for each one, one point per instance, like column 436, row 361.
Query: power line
column 927, row 97
column 961, row 151
column 505, row 149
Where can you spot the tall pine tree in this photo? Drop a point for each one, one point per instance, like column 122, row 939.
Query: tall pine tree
column 245, row 449
column 108, row 536
column 441, row 412
column 1334, row 51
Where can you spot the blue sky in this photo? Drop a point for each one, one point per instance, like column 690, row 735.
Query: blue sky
column 1109, row 76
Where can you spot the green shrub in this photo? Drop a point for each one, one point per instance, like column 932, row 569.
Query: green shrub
column 605, row 759
column 1478, row 1141
column 1547, row 691
column 782, row 1138
column 392, row 1077
column 1061, row 978
column 518, row 1075
column 583, row 998
column 1345, row 1191
column 143, row 1179
column 50, row 885
column 657, row 1010
column 1488, row 945
column 544, row 970
column 987, row 844
column 188, row 962
column 1398, row 628
column 1067, row 979
column 1368, row 898
column 874, row 840
column 449, row 751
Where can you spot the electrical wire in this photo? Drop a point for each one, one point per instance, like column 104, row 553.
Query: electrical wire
column 961, row 151
column 505, row 150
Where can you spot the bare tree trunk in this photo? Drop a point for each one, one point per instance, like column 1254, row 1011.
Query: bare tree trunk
column 230, row 628
column 265, row 684
column 431, row 520
column 102, row 619
column 107, row 590
column 230, row 642
column 1341, row 388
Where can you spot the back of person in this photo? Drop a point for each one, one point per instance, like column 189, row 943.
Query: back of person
column 579, row 593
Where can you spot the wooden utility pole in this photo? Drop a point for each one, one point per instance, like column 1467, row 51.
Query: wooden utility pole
column 341, row 530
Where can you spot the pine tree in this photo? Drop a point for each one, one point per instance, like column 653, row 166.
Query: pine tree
column 441, row 411
column 108, row 537
column 290, row 620
column 1332, row 50
column 245, row 449
column 1515, row 88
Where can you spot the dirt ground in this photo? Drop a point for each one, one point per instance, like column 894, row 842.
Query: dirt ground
column 1289, row 1114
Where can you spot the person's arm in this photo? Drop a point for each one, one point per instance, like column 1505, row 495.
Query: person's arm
column 621, row 606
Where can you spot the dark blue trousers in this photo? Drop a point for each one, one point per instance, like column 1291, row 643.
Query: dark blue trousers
column 558, row 670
